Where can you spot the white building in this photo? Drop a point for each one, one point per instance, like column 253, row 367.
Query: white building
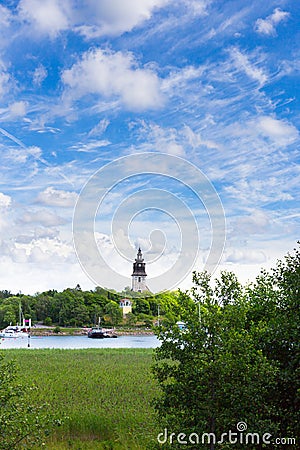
column 126, row 306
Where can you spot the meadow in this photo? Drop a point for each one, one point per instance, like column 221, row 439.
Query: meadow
column 105, row 394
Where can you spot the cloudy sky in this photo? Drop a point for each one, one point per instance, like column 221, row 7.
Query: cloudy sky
column 83, row 83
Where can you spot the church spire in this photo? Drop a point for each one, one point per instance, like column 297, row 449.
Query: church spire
column 139, row 273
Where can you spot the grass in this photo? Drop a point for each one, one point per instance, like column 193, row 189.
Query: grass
column 106, row 394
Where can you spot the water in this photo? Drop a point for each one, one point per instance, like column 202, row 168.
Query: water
column 77, row 342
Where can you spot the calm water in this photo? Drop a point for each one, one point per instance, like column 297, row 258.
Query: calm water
column 80, row 342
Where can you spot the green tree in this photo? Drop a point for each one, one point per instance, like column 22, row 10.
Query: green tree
column 5, row 294
column 131, row 319
column 212, row 375
column 9, row 315
column 114, row 312
column 275, row 316
column 48, row 321
column 9, row 311
column 141, row 306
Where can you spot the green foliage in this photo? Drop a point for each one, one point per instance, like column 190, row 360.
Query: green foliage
column 9, row 309
column 131, row 319
column 22, row 425
column 238, row 358
column 141, row 306
column 146, row 320
column 217, row 372
column 48, row 321
column 114, row 313
column 274, row 317
column 78, row 308
column 5, row 294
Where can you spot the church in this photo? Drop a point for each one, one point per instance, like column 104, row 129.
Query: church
column 139, row 274
column 138, row 282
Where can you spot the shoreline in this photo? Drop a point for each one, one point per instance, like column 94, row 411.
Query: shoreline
column 84, row 332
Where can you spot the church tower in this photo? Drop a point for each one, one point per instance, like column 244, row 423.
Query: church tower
column 139, row 274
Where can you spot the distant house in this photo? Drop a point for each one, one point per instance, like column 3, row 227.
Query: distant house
column 126, row 306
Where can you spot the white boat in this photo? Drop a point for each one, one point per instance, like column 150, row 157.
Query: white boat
column 17, row 331
column 14, row 331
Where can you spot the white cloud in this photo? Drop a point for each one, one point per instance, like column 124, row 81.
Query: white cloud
column 243, row 63
column 91, row 146
column 42, row 250
column 50, row 249
column 100, row 128
column 197, row 7
column 114, row 75
column 5, row 17
column 90, row 18
column 39, row 75
column 174, row 141
column 4, row 80
column 18, row 109
column 258, row 191
column 279, row 131
column 55, row 197
column 5, row 200
column 256, row 223
column 16, row 156
column 36, row 234
column 180, row 78
column 43, row 217
column 166, row 140
column 48, row 16
column 5, row 203
column 245, row 256
column 268, row 26
column 195, row 140
column 114, row 17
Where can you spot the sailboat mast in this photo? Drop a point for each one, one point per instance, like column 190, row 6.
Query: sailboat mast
column 20, row 314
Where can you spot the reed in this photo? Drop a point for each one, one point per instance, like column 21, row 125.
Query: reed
column 106, row 395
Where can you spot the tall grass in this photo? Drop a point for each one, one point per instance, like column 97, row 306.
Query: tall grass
column 105, row 393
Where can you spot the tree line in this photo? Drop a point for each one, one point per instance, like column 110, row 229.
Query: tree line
column 74, row 307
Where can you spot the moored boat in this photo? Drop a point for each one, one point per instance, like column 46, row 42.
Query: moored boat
column 96, row 333
column 14, row 332
column 17, row 331
column 100, row 333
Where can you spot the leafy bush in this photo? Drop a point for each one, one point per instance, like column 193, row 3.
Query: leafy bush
column 48, row 321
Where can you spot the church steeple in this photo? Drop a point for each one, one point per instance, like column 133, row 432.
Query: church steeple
column 139, row 273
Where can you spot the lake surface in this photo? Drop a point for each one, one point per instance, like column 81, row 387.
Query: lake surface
column 77, row 342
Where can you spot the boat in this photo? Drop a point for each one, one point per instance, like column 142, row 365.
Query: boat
column 17, row 331
column 96, row 333
column 101, row 333
column 14, row 331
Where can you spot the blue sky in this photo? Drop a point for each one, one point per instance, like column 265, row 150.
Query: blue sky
column 83, row 83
